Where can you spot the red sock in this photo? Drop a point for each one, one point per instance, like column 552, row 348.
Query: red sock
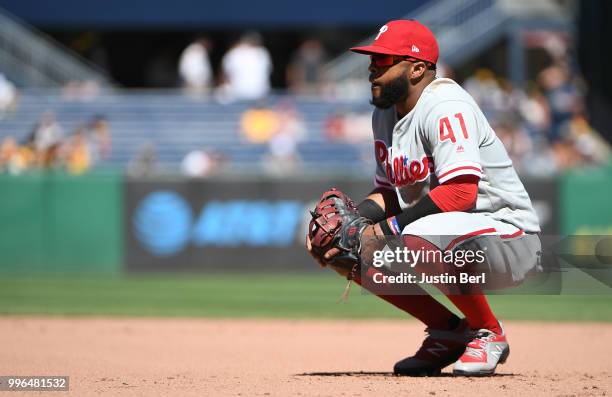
column 419, row 304
column 477, row 311
column 473, row 305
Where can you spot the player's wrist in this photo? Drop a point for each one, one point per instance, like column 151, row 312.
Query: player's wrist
column 394, row 225
column 389, row 227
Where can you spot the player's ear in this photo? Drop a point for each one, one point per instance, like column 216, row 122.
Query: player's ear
column 418, row 70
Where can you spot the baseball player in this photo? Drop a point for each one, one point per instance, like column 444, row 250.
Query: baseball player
column 440, row 171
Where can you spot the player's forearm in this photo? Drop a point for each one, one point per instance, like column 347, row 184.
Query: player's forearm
column 380, row 204
column 395, row 224
column 458, row 194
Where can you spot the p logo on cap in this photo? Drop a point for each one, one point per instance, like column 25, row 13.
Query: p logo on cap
column 382, row 30
column 403, row 38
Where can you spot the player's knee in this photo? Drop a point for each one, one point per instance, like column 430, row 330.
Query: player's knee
column 417, row 243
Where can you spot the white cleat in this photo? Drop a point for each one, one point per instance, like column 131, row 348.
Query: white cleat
column 482, row 354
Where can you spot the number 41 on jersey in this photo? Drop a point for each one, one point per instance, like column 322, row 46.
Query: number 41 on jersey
column 446, row 130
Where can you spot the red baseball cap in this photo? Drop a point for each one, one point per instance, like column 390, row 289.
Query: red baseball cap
column 404, row 38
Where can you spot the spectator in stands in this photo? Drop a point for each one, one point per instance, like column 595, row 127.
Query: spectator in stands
column 290, row 121
column 486, row 90
column 305, row 73
column 89, row 144
column 259, row 124
column 47, row 137
column 333, row 125
column 351, row 126
column 566, row 154
column 562, row 96
column 144, row 163
column 7, row 151
column 283, row 157
column 9, row 97
column 76, row 152
column 517, row 142
column 47, row 132
column 534, row 110
column 100, row 139
column 246, row 70
column 194, row 67
column 591, row 146
column 14, row 159
column 199, row 163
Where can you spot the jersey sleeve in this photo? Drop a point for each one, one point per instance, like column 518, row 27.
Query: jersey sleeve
column 451, row 129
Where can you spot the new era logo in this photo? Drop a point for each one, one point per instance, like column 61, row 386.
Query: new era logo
column 415, row 48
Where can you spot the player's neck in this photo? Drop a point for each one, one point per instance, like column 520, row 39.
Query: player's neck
column 414, row 93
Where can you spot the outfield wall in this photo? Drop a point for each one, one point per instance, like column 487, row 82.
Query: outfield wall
column 586, row 202
column 216, row 225
column 105, row 223
column 61, row 223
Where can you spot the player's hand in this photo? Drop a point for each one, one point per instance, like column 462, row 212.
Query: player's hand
column 329, row 254
column 372, row 231
column 372, row 239
column 326, row 257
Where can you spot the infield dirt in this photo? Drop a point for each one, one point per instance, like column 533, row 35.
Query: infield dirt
column 203, row 357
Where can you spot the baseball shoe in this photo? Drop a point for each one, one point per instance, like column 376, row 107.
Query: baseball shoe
column 439, row 349
column 483, row 353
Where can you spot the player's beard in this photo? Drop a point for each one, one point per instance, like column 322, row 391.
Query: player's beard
column 391, row 93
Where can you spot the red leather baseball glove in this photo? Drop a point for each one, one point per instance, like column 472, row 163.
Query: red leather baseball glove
column 336, row 223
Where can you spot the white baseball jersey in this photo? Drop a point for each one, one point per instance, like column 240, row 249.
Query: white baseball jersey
column 444, row 136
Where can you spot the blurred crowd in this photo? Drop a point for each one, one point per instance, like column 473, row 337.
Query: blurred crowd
column 9, row 97
column 48, row 146
column 246, row 69
column 543, row 125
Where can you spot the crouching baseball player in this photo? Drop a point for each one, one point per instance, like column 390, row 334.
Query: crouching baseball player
column 442, row 172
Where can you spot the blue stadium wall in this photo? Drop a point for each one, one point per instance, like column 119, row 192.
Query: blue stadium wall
column 194, row 14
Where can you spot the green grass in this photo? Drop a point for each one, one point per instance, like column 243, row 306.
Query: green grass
column 284, row 296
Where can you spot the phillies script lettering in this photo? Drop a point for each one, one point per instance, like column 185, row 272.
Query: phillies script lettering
column 401, row 171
